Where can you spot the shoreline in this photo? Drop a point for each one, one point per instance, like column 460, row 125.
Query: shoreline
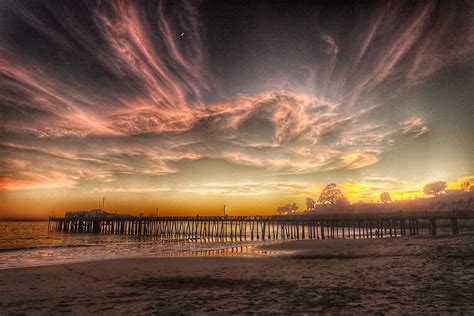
column 252, row 252
column 409, row 275
column 277, row 248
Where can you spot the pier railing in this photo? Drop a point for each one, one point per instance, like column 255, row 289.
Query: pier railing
column 240, row 228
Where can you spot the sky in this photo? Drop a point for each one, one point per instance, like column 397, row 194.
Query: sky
column 190, row 106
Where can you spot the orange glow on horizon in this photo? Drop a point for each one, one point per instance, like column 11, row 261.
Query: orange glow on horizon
column 43, row 203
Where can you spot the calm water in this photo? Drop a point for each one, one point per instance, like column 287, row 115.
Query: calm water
column 24, row 244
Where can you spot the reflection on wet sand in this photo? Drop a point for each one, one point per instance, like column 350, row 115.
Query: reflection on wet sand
column 229, row 251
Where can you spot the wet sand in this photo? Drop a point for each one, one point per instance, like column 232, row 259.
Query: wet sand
column 422, row 275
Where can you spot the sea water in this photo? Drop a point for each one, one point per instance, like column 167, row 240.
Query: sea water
column 24, row 244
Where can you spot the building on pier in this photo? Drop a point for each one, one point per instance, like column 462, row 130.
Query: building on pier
column 96, row 213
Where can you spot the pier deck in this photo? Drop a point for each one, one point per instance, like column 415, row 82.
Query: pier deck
column 239, row 228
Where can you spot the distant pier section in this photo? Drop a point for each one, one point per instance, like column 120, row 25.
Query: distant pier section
column 277, row 227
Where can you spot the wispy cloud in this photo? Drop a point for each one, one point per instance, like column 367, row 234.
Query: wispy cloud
column 137, row 106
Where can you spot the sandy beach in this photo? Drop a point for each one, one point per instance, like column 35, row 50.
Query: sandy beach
column 406, row 275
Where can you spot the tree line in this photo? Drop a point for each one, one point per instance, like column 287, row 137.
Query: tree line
column 332, row 195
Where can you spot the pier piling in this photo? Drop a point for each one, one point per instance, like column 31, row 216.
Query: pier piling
column 239, row 228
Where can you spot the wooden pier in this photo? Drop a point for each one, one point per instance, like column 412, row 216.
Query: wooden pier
column 241, row 228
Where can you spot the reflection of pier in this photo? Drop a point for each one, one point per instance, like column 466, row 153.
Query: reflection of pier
column 230, row 251
column 238, row 228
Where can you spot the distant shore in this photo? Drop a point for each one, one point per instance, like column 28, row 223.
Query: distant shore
column 23, row 220
column 405, row 275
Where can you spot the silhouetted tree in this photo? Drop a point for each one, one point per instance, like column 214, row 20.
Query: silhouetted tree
column 465, row 186
column 435, row 188
column 294, row 208
column 310, row 204
column 282, row 210
column 287, row 209
column 330, row 194
column 385, row 198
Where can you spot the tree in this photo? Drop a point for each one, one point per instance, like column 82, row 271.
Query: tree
column 435, row 188
column 330, row 194
column 293, row 208
column 287, row 209
column 310, row 204
column 385, row 198
column 465, row 186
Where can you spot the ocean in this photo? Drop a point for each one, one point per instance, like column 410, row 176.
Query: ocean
column 26, row 244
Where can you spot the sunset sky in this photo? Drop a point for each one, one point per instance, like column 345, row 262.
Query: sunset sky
column 187, row 106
